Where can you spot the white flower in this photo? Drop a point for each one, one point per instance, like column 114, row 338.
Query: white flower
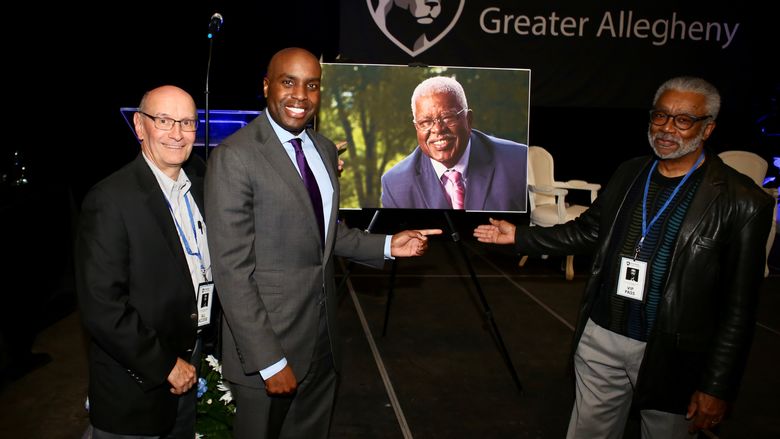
column 215, row 389
column 227, row 397
column 214, row 363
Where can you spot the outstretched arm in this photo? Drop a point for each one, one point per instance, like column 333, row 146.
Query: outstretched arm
column 497, row 232
column 411, row 242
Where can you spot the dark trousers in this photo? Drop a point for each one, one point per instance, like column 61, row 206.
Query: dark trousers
column 183, row 427
column 306, row 414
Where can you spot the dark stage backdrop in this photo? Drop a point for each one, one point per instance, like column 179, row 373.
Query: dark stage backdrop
column 582, row 54
column 70, row 66
column 595, row 65
column 75, row 65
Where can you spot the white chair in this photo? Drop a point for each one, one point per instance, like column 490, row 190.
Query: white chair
column 547, row 197
column 754, row 167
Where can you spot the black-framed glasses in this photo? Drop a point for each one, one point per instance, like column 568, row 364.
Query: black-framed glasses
column 449, row 119
column 167, row 123
column 681, row 121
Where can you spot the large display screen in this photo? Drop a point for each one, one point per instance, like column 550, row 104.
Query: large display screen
column 428, row 137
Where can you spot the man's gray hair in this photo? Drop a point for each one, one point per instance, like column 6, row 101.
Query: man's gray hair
column 438, row 85
column 693, row 85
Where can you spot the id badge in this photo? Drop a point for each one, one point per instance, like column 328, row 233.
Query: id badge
column 631, row 279
column 205, row 297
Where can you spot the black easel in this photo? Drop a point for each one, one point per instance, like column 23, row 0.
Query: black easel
column 393, row 269
column 485, row 305
column 348, row 270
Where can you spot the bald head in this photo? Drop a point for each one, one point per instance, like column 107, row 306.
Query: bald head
column 292, row 88
column 168, row 147
column 165, row 93
column 291, row 55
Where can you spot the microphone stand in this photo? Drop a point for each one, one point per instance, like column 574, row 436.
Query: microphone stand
column 214, row 26
column 208, row 70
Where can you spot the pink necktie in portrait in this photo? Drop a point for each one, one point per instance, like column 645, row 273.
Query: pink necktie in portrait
column 453, row 184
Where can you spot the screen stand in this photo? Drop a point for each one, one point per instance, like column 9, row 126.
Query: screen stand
column 483, row 300
column 485, row 305
column 348, row 270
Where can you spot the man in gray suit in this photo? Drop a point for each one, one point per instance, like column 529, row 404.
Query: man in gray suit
column 272, row 197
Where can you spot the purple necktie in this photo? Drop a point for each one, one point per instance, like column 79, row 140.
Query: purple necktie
column 311, row 186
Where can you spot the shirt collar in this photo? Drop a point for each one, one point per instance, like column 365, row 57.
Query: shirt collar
column 171, row 188
column 282, row 134
column 461, row 166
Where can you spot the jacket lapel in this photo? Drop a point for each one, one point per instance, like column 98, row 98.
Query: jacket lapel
column 273, row 151
column 330, row 166
column 156, row 203
column 480, row 174
column 706, row 194
column 428, row 184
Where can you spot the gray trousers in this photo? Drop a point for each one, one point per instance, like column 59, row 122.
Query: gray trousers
column 606, row 365
column 307, row 414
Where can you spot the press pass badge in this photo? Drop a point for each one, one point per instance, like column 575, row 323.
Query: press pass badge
column 631, row 280
column 205, row 297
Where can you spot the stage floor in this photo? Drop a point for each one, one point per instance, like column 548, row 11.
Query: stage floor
column 438, row 371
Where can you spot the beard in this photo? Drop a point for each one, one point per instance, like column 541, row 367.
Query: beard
column 686, row 147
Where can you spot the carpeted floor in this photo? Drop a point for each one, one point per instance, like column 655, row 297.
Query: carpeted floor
column 438, row 371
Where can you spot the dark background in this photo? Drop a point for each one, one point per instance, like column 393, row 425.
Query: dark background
column 75, row 66
column 69, row 68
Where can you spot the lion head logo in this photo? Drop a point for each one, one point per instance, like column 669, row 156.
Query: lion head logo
column 415, row 25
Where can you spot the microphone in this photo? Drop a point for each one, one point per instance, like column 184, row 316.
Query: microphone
column 215, row 24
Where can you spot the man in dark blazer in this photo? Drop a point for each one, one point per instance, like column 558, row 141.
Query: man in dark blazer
column 491, row 172
column 137, row 277
column 272, row 197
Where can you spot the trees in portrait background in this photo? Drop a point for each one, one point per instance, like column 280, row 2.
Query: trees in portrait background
column 369, row 107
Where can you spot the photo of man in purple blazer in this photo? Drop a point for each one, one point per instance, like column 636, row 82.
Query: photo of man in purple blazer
column 455, row 166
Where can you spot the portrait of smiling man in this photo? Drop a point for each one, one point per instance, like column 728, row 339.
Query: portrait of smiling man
column 455, row 166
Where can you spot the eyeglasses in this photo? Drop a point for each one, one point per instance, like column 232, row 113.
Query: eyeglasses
column 449, row 119
column 681, row 121
column 167, row 123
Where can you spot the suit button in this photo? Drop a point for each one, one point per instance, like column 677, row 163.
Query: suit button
column 194, row 316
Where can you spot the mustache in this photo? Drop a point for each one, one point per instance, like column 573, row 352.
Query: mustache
column 442, row 137
column 668, row 137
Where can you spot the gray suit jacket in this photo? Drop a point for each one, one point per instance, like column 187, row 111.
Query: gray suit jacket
column 268, row 264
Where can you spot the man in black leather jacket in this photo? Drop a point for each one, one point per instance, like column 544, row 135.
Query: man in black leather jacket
column 669, row 308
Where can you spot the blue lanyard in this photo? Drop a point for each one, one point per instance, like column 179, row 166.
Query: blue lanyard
column 184, row 239
column 645, row 226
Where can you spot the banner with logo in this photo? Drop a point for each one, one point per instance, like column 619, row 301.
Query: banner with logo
column 582, row 54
